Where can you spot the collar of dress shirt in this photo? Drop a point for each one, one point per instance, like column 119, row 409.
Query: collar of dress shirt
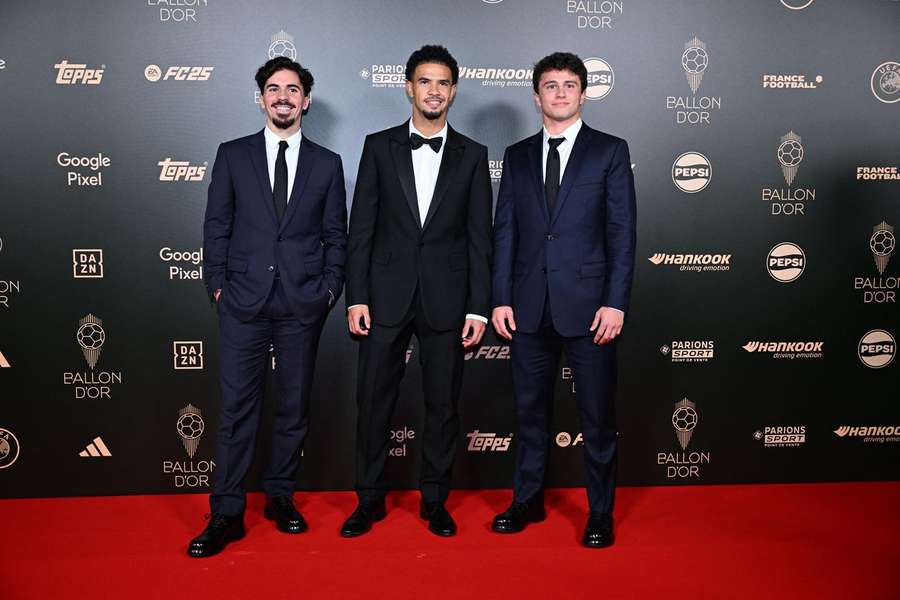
column 442, row 133
column 570, row 133
column 272, row 138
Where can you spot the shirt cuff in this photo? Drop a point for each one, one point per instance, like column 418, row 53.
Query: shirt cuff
column 354, row 306
column 618, row 309
column 477, row 318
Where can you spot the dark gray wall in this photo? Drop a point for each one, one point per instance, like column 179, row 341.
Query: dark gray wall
column 847, row 121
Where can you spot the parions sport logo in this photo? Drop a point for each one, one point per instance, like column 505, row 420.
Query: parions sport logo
column 786, row 262
column 689, row 351
column 691, row 172
column 781, row 436
column 385, row 75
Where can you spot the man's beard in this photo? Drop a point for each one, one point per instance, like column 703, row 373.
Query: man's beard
column 283, row 123
column 432, row 115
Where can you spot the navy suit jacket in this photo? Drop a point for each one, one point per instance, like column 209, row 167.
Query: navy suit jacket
column 244, row 245
column 583, row 253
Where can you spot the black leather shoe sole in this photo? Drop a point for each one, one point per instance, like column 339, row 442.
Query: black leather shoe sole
column 376, row 516
column 211, row 550
column 269, row 513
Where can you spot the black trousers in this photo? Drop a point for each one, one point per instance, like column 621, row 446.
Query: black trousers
column 535, row 367
column 243, row 364
column 382, row 363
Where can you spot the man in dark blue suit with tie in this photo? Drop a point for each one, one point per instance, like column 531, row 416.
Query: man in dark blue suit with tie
column 564, row 242
column 274, row 245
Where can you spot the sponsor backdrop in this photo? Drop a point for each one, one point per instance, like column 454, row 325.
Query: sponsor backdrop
column 760, row 345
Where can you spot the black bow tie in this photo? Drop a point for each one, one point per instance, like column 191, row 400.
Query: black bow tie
column 416, row 141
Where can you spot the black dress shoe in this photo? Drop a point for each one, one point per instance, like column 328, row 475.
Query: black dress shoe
column 439, row 520
column 287, row 518
column 519, row 514
column 221, row 530
column 366, row 513
column 598, row 533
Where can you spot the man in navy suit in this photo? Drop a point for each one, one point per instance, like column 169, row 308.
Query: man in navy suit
column 274, row 244
column 564, row 240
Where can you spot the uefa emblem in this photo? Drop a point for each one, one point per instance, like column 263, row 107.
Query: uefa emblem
column 9, row 448
column 283, row 45
column 694, row 61
column 600, row 78
column 885, row 82
column 684, row 420
column 90, row 336
column 790, row 155
column 691, row 172
column 786, row 262
column 882, row 244
column 877, row 349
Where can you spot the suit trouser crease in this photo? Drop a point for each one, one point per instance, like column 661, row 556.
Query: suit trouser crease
column 382, row 361
column 535, row 358
column 243, row 364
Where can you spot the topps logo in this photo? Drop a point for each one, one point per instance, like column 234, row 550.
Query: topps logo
column 72, row 74
column 180, row 170
column 489, row 353
column 482, row 442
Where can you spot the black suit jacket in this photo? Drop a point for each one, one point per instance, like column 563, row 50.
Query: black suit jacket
column 392, row 249
column 244, row 244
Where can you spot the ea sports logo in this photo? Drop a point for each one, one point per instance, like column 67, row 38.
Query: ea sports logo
column 786, row 262
column 691, row 172
column 152, row 73
column 885, row 82
column 600, row 78
column 563, row 439
column 283, row 45
column 877, row 349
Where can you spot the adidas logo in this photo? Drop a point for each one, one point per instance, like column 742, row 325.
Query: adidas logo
column 4, row 364
column 95, row 449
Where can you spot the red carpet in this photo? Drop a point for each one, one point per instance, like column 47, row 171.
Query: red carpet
column 760, row 542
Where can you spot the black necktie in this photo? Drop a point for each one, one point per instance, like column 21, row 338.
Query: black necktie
column 416, row 141
column 279, row 190
column 551, row 179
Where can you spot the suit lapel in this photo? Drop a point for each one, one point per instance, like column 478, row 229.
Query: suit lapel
column 535, row 156
column 402, row 155
column 257, row 151
column 572, row 168
column 306, row 158
column 453, row 153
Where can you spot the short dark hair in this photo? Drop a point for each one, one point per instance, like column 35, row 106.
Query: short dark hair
column 432, row 54
column 560, row 61
column 280, row 63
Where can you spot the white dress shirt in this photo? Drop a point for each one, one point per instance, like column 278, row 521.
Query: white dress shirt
column 565, row 150
column 426, row 166
column 290, row 156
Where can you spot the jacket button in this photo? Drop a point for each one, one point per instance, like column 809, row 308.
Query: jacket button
column 549, row 237
column 280, row 238
column 271, row 267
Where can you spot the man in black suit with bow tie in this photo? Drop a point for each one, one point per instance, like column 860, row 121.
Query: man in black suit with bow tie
column 418, row 262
